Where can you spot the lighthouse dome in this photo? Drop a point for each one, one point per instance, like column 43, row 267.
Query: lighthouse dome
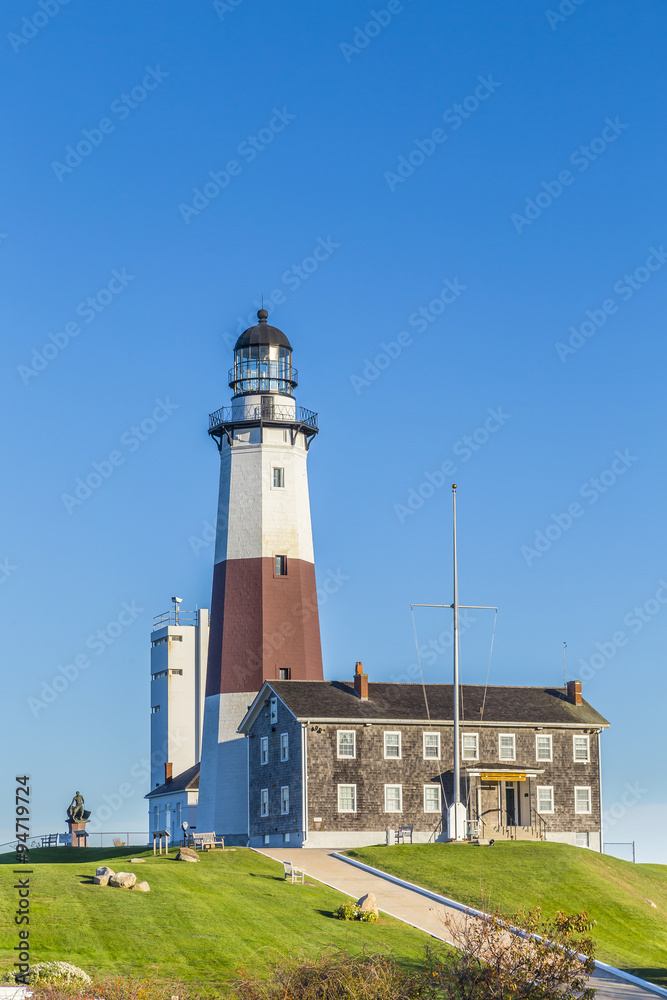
column 262, row 335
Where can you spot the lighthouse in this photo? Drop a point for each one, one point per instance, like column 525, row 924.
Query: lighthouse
column 264, row 616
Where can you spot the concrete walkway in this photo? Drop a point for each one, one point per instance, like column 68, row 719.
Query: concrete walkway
column 413, row 908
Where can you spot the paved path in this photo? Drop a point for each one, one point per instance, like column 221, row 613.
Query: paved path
column 413, row 908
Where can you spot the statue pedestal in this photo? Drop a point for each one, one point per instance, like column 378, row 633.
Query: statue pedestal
column 77, row 828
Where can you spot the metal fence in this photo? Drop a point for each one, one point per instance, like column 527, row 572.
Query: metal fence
column 629, row 854
column 92, row 840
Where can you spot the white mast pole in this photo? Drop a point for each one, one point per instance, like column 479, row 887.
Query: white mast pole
column 455, row 606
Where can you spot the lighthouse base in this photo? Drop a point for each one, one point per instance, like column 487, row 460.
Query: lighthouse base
column 223, row 779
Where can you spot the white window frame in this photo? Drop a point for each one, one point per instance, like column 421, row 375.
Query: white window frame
column 346, row 756
column 263, row 750
column 544, row 736
column 431, row 756
column 284, row 800
column 465, row 756
column 347, row 785
column 392, row 732
column 546, row 812
column 501, row 737
column 274, row 469
column 583, row 812
column 400, row 798
column 274, row 710
column 584, row 836
column 264, row 803
column 433, row 788
column 587, row 758
column 284, row 747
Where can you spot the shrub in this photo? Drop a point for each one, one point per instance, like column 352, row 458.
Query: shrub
column 352, row 911
column 333, row 977
column 117, row 842
column 50, row 972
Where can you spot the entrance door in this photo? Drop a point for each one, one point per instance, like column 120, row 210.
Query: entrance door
column 510, row 803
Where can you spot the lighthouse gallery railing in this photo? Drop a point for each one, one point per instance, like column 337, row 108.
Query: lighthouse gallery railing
column 267, row 410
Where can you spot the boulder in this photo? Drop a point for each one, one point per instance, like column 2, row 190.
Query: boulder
column 101, row 880
column 123, row 880
column 137, row 861
column 651, row 903
column 187, row 854
column 103, row 870
column 368, row 902
column 141, row 887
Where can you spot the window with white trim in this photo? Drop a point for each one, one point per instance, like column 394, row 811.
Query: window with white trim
column 431, row 746
column 284, row 746
column 582, row 749
column 582, row 839
column 582, row 798
column 392, row 745
column 347, row 798
column 543, row 748
column 264, row 750
column 469, row 746
column 506, row 746
column 284, row 800
column 393, row 798
column 347, row 744
column 432, row 799
column 545, row 799
column 264, row 802
column 278, row 482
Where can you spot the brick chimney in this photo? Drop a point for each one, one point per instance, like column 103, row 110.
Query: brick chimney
column 360, row 681
column 168, row 768
column 574, row 692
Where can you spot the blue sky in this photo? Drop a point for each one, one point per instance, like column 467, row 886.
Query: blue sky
column 496, row 166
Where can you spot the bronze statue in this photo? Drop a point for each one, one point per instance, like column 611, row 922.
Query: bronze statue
column 76, row 813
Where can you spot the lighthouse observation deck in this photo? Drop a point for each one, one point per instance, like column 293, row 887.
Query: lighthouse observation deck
column 266, row 412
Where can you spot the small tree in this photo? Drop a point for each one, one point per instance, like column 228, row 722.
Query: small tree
column 496, row 960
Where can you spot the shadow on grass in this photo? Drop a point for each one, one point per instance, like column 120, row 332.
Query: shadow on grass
column 657, row 976
column 77, row 855
column 271, row 878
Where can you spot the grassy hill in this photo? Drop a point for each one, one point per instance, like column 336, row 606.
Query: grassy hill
column 631, row 934
column 199, row 923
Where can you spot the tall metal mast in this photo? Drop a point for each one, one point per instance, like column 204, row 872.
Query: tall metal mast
column 455, row 608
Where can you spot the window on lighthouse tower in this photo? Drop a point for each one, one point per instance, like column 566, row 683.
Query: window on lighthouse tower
column 281, row 565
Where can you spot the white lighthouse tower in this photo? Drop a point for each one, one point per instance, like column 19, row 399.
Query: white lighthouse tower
column 264, row 617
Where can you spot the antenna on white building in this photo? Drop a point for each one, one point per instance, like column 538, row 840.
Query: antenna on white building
column 177, row 601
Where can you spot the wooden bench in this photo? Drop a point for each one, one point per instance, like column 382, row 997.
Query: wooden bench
column 404, row 834
column 207, row 841
column 293, row 874
column 50, row 840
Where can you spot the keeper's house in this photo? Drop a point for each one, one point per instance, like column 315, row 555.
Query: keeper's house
column 337, row 763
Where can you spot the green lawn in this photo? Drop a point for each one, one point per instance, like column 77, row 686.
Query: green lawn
column 199, row 923
column 631, row 934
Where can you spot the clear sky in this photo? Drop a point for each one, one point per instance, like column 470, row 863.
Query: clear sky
column 484, row 186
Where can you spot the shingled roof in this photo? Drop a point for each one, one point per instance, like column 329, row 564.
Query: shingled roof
column 186, row 781
column 336, row 701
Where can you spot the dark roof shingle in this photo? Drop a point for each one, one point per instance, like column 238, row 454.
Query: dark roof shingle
column 319, row 700
column 186, row 781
